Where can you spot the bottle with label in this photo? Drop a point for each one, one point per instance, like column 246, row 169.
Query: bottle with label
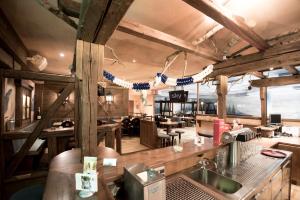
column 38, row 114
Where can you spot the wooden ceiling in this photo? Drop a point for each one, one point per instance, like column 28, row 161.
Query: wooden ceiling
column 151, row 30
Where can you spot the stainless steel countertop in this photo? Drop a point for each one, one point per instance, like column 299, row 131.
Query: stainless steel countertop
column 252, row 174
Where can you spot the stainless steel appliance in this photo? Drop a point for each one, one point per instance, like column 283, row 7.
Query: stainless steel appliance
column 143, row 183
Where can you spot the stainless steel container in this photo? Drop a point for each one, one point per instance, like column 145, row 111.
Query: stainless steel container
column 10, row 125
column 142, row 183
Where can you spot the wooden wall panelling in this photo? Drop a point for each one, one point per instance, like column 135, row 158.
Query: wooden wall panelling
column 263, row 104
column 222, row 92
column 148, row 133
column 2, row 154
column 12, row 166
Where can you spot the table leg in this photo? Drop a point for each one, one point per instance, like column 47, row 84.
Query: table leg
column 118, row 140
column 52, row 147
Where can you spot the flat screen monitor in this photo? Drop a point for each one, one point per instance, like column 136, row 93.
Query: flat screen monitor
column 275, row 119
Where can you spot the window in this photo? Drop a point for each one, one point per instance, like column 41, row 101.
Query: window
column 242, row 100
column 284, row 100
column 26, row 104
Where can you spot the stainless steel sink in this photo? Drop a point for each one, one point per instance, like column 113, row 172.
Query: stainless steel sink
column 217, row 181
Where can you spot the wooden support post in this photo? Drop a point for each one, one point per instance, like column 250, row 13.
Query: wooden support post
column 38, row 129
column 197, row 110
column 2, row 158
column 222, row 92
column 89, row 61
column 263, row 101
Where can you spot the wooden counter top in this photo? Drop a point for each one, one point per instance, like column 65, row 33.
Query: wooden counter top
column 271, row 142
column 61, row 181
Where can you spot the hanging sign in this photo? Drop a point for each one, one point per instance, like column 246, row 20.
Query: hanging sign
column 178, row 96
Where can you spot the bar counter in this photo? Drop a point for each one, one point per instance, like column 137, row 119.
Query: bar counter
column 61, row 181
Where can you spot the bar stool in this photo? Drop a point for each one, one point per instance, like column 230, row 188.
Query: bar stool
column 164, row 139
column 172, row 134
column 179, row 134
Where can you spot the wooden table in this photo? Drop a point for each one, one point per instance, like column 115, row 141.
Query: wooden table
column 112, row 134
column 267, row 130
column 169, row 125
column 61, row 177
column 57, row 139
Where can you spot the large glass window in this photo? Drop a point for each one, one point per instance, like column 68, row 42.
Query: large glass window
column 241, row 99
column 284, row 100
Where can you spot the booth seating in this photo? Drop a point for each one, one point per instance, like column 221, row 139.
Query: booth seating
column 135, row 127
column 125, row 127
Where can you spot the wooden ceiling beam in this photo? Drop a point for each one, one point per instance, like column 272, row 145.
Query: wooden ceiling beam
column 11, row 42
column 258, row 74
column 157, row 36
column 292, row 58
column 269, row 53
column 72, row 8
column 99, row 19
column 277, row 81
column 291, row 70
column 230, row 21
column 29, row 75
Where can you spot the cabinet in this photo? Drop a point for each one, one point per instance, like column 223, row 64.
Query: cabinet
column 295, row 161
column 278, row 187
column 276, row 183
column 265, row 193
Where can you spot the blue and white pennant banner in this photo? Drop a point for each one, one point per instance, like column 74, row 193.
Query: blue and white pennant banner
column 158, row 79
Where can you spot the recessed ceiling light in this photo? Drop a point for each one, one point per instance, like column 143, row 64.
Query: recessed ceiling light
column 271, row 68
column 134, row 60
column 61, row 55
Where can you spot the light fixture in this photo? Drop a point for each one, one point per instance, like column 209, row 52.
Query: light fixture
column 61, row 54
column 134, row 60
column 271, row 68
column 109, row 98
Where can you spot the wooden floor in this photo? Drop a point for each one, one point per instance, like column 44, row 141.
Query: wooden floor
column 132, row 144
column 295, row 193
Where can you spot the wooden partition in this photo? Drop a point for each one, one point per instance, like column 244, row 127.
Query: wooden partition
column 148, row 133
column 204, row 123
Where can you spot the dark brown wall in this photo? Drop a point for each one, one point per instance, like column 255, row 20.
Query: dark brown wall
column 120, row 105
column 46, row 94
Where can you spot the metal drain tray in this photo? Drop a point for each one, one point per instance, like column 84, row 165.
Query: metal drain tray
column 180, row 189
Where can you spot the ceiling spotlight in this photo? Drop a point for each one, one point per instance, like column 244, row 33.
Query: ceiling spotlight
column 134, row 60
column 61, row 55
column 271, row 68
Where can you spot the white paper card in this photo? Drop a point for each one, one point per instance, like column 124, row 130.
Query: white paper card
column 143, row 176
column 90, row 165
column 86, row 182
column 110, row 162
